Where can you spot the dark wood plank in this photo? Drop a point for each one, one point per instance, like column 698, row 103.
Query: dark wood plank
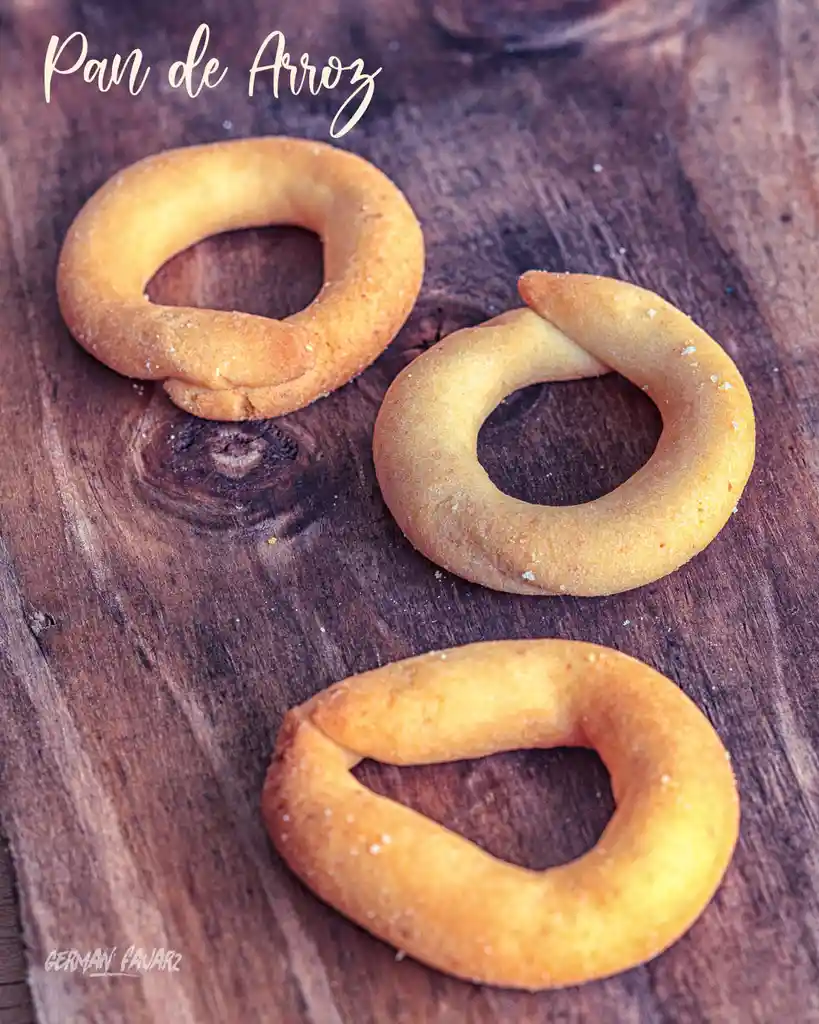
column 15, row 998
column 151, row 637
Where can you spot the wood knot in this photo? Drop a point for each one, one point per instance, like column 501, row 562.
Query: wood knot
column 39, row 622
column 220, row 474
column 235, row 452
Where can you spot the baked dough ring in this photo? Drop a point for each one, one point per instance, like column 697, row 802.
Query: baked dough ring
column 442, row 899
column 235, row 366
column 425, row 443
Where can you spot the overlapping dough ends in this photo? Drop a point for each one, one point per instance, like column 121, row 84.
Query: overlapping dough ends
column 232, row 365
column 577, row 325
column 440, row 898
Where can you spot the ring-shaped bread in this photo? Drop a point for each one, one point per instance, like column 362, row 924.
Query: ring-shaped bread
column 232, row 365
column 442, row 899
column 425, row 442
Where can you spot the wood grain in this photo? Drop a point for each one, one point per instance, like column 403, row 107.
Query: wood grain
column 151, row 637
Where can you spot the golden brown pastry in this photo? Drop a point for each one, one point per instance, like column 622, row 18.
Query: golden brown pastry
column 235, row 366
column 444, row 901
column 425, row 443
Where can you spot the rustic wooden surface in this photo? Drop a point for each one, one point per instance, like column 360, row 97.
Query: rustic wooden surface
column 151, row 638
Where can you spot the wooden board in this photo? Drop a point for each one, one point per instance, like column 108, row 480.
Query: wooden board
column 151, row 638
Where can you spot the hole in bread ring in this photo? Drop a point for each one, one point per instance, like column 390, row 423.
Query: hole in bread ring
column 443, row 900
column 233, row 365
column 425, row 442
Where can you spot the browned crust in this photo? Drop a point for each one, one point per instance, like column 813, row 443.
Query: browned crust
column 235, row 366
column 440, row 898
column 425, row 442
